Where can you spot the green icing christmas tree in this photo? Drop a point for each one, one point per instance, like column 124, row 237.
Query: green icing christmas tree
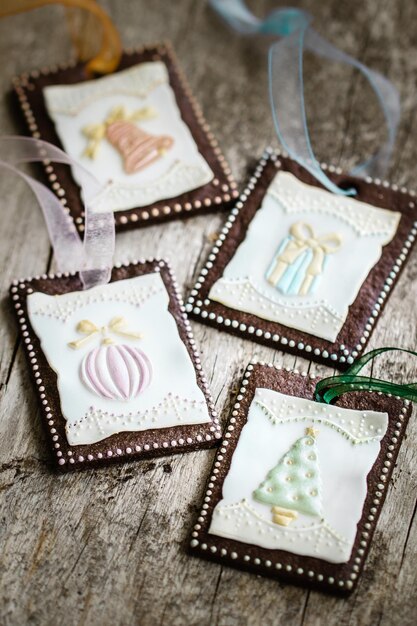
column 293, row 485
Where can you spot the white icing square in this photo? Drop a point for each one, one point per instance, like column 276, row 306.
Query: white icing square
column 305, row 256
column 106, row 387
column 76, row 107
column 323, row 496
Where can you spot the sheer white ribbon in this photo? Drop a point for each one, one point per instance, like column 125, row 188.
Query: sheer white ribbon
column 92, row 257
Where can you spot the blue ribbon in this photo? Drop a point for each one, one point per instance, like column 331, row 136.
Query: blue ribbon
column 286, row 85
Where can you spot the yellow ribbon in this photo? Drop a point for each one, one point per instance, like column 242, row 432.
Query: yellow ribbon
column 95, row 133
column 117, row 325
column 304, row 238
column 107, row 58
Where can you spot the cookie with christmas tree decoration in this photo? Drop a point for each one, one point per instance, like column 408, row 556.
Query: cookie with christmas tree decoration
column 138, row 130
column 302, row 269
column 297, row 486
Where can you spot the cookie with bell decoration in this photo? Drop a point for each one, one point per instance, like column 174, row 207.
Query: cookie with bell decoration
column 138, row 130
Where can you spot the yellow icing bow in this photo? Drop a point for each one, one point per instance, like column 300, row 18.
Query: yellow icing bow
column 304, row 238
column 95, row 133
column 117, row 325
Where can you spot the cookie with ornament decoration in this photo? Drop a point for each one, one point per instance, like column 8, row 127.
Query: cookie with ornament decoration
column 115, row 366
column 297, row 486
column 138, row 130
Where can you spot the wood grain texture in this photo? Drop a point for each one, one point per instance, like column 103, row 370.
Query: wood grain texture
column 108, row 547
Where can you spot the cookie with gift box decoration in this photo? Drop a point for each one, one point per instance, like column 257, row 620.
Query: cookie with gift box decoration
column 115, row 366
column 297, row 486
column 139, row 131
column 304, row 270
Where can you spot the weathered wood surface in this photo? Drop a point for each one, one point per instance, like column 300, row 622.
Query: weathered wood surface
column 109, row 547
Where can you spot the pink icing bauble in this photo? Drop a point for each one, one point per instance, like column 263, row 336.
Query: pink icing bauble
column 116, row 372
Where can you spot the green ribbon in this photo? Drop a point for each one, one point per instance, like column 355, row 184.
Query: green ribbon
column 332, row 387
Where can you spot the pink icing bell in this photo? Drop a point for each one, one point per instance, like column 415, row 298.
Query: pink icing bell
column 117, row 372
column 137, row 147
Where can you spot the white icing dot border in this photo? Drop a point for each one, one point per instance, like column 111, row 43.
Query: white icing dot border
column 227, row 190
column 341, row 356
column 20, row 288
column 343, row 584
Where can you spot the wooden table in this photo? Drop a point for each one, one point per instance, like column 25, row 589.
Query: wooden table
column 108, row 547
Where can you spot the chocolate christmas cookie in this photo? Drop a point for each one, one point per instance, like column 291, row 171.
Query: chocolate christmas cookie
column 115, row 367
column 297, row 485
column 304, row 270
column 139, row 131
